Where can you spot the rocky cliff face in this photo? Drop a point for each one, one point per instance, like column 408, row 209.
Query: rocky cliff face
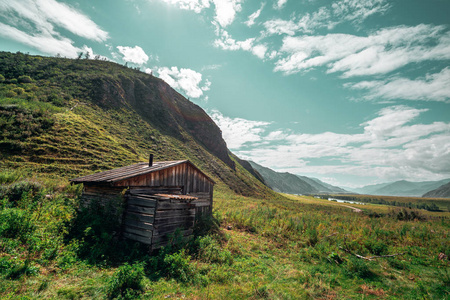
column 162, row 107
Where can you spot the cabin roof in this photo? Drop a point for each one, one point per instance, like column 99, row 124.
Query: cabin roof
column 130, row 171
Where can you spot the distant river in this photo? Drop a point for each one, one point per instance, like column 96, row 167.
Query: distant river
column 345, row 201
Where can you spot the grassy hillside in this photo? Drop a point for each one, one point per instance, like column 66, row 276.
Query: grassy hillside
column 64, row 118
column 280, row 248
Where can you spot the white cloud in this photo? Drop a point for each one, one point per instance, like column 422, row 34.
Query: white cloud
column 34, row 23
column 238, row 132
column 388, row 147
column 433, row 87
column 280, row 4
column 186, row 80
column 355, row 11
column 379, row 53
column 134, row 54
column 44, row 43
column 226, row 42
column 195, row 5
column 251, row 19
column 259, row 51
column 225, row 9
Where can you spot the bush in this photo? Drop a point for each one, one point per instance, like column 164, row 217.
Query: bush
column 210, row 251
column 19, row 189
column 2, row 78
column 359, row 268
column 126, row 281
column 24, row 79
column 15, row 223
column 179, row 267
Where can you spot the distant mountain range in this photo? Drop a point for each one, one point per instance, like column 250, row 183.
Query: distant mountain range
column 293, row 184
column 401, row 188
column 441, row 192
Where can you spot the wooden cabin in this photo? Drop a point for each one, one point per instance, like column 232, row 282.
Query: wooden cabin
column 158, row 198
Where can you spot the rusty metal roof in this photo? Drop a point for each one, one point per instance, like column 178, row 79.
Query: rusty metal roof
column 123, row 173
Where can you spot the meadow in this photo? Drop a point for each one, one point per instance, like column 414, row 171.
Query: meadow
column 430, row 204
column 281, row 247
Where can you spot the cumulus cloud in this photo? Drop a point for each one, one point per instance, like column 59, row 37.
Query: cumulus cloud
column 225, row 10
column 251, row 19
column 34, row 23
column 226, row 42
column 185, row 80
column 388, row 146
column 195, row 5
column 432, row 87
column 355, row 11
column 279, row 4
column 378, row 53
column 133, row 54
column 238, row 132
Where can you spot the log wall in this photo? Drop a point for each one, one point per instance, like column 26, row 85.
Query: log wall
column 183, row 175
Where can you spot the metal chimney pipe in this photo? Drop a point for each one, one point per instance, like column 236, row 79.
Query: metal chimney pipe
column 150, row 160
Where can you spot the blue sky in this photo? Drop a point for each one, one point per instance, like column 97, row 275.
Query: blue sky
column 351, row 92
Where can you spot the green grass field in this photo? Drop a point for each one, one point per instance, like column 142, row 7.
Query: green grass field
column 285, row 247
column 430, row 204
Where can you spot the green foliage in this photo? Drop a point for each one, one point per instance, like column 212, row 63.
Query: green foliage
column 358, row 267
column 211, row 252
column 2, row 78
column 126, row 283
column 24, row 79
column 15, row 223
column 179, row 267
column 407, row 215
column 7, row 177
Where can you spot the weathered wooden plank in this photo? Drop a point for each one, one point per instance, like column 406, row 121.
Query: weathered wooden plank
column 138, row 224
column 172, row 220
column 201, row 203
column 169, row 231
column 167, row 237
column 173, row 205
column 173, row 227
column 139, row 217
column 173, row 213
column 138, row 238
column 141, row 209
column 137, row 231
column 142, row 202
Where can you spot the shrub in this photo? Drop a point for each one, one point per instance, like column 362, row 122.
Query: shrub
column 210, row 251
column 359, row 268
column 178, row 266
column 2, row 78
column 126, row 281
column 19, row 90
column 17, row 190
column 18, row 270
column 15, row 223
column 24, row 79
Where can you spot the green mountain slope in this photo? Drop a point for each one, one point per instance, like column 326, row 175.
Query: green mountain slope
column 68, row 117
column 402, row 188
column 284, row 182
